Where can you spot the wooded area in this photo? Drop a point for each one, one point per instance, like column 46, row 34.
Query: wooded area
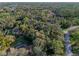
column 36, row 29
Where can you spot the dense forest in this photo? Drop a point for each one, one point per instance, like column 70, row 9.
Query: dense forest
column 36, row 29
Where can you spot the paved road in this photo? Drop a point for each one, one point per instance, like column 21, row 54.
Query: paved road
column 70, row 29
column 68, row 47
